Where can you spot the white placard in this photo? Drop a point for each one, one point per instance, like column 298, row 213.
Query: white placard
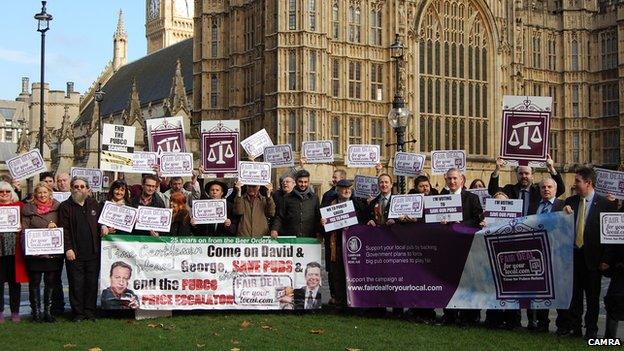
column 255, row 144
column 154, row 218
column 408, row 164
column 360, row 155
column 143, row 162
column 61, row 196
column 365, row 186
column 279, row 156
column 339, row 216
column 610, row 182
column 120, row 217
column 176, row 164
column 443, row 160
column 10, row 219
column 502, row 210
column 440, row 208
column 94, row 176
column 254, row 173
column 321, row 151
column 410, row 205
column 43, row 241
column 26, row 165
column 209, row 211
column 612, row 228
column 482, row 193
column 117, row 147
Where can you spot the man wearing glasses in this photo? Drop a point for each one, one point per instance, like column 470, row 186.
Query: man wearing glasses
column 148, row 197
column 78, row 216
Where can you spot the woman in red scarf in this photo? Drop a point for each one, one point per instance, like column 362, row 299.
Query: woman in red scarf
column 41, row 212
column 8, row 242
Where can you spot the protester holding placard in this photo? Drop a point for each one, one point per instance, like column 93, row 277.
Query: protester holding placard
column 380, row 205
column 331, row 194
column 181, row 219
column 176, row 185
column 525, row 188
column 119, row 194
column 612, row 266
column 9, row 258
column 587, row 206
column 300, row 215
column 148, row 197
column 477, row 184
column 62, row 182
column 78, row 216
column 422, row 185
column 254, row 210
column 216, row 190
column 42, row 212
column 472, row 213
column 58, row 300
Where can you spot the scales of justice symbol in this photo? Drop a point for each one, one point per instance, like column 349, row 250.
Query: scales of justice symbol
column 224, row 148
column 525, row 127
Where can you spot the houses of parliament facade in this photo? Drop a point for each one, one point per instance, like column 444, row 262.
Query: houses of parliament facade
column 322, row 70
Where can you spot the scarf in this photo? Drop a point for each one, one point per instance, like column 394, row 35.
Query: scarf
column 43, row 208
column 303, row 194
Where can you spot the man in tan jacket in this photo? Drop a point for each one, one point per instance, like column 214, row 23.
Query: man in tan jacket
column 254, row 210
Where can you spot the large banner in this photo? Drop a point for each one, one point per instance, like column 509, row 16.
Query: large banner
column 525, row 262
column 180, row 273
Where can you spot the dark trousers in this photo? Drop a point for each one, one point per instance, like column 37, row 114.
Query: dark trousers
column 338, row 280
column 461, row 316
column 586, row 283
column 58, row 299
column 538, row 318
column 83, row 286
column 7, row 275
column 507, row 318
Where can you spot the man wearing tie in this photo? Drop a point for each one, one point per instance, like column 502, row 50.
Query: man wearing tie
column 309, row 296
column 529, row 192
column 587, row 256
column 380, row 206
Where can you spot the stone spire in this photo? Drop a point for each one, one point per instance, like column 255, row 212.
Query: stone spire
column 178, row 101
column 120, row 44
column 23, row 143
column 134, row 103
column 66, row 131
column 94, row 126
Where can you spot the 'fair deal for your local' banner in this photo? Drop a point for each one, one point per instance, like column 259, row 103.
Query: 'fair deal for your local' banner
column 169, row 273
column 521, row 263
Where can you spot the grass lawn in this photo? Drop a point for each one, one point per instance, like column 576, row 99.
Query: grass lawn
column 268, row 331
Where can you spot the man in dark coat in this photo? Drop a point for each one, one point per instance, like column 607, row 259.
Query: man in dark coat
column 78, row 215
column 379, row 207
column 148, row 197
column 587, row 256
column 524, row 188
column 300, row 215
column 332, row 193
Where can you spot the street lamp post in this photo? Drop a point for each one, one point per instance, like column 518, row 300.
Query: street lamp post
column 43, row 24
column 399, row 113
column 98, row 95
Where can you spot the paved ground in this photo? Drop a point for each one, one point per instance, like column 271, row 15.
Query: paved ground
column 25, row 308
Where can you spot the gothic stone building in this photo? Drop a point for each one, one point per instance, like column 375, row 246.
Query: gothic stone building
column 314, row 70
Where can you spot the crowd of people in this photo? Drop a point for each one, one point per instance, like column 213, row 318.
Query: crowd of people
column 294, row 210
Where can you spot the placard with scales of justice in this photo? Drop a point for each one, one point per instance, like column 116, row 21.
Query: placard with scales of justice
column 525, row 129
column 220, row 148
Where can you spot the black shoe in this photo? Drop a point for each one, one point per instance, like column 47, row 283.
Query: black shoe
column 532, row 326
column 79, row 319
column 564, row 332
column 47, row 305
column 542, row 328
column 35, row 304
column 591, row 335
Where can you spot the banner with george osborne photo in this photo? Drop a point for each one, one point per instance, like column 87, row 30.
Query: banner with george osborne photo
column 180, row 273
column 521, row 263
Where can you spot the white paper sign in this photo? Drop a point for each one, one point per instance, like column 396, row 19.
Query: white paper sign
column 209, row 211
column 482, row 193
column 502, row 210
column 117, row 147
column 118, row 216
column 318, row 151
column 279, row 156
column 10, row 219
column 255, row 144
column 363, row 155
column 61, row 196
column 26, row 165
column 143, row 162
column 94, row 176
column 254, row 173
column 176, row 164
column 612, row 228
column 408, row 164
column 154, row 218
column 440, row 208
column 44, row 241
column 410, row 205
column 610, row 182
column 443, row 160
column 339, row 216
column 365, row 186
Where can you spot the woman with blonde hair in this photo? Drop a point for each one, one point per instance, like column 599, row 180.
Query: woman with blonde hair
column 42, row 212
column 9, row 258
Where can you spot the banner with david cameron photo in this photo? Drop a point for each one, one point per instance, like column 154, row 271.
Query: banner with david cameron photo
column 521, row 263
